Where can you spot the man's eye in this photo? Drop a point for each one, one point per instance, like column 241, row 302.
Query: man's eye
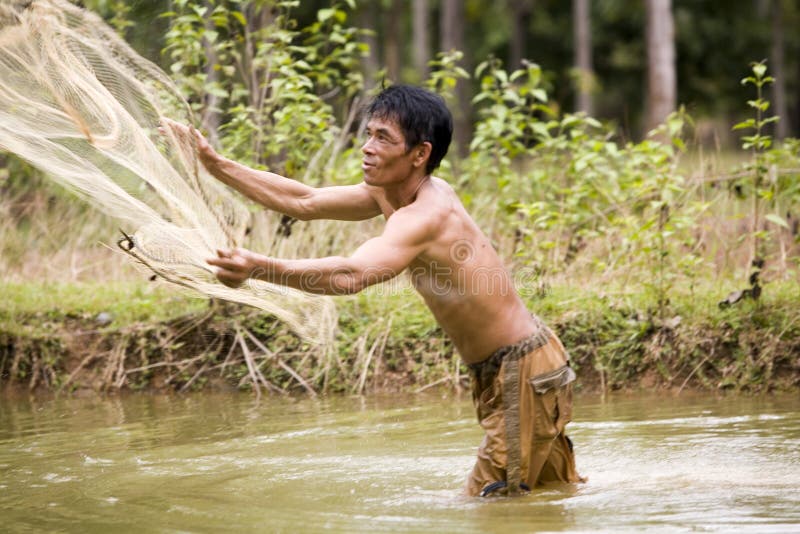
column 379, row 137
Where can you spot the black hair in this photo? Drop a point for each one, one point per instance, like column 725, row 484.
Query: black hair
column 420, row 114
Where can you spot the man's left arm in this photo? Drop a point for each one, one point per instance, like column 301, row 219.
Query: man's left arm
column 377, row 260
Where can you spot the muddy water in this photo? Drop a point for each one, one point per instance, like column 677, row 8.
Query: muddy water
column 223, row 463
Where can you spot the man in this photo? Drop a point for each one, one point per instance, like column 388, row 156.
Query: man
column 521, row 377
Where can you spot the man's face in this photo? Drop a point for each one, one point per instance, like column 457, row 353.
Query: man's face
column 386, row 160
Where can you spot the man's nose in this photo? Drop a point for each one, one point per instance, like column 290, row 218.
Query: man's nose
column 366, row 148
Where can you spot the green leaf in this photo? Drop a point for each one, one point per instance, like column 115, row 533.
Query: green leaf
column 480, row 68
column 217, row 91
column 540, row 95
column 777, row 219
column 325, row 14
column 502, row 76
column 594, row 123
column 239, row 17
column 341, row 16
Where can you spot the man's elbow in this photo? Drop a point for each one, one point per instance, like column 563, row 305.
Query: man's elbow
column 347, row 285
column 300, row 211
column 355, row 281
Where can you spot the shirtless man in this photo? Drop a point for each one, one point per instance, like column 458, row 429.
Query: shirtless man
column 521, row 377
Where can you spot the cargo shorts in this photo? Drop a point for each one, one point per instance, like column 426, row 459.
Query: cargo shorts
column 523, row 398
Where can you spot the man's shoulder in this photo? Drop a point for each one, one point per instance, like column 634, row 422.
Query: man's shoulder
column 419, row 221
column 441, row 183
column 420, row 214
column 434, row 206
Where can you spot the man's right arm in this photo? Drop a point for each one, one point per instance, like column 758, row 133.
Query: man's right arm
column 277, row 193
column 284, row 195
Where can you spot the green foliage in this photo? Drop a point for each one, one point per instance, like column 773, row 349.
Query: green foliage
column 706, row 53
column 445, row 73
column 508, row 106
column 758, row 141
column 269, row 90
column 768, row 188
column 568, row 186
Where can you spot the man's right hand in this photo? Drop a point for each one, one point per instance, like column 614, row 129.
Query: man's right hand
column 205, row 151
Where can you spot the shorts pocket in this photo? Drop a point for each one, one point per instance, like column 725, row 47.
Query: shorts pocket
column 552, row 397
column 553, row 380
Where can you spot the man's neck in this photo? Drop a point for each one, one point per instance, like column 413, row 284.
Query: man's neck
column 406, row 193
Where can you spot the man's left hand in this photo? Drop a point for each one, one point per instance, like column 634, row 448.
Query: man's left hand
column 235, row 266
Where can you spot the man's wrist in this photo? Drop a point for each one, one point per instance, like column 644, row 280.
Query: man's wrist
column 265, row 269
column 212, row 160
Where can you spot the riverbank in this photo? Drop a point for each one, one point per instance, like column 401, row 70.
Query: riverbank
column 85, row 339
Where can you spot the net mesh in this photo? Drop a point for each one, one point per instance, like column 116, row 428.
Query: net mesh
column 80, row 104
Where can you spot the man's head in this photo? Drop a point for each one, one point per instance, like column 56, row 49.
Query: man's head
column 422, row 116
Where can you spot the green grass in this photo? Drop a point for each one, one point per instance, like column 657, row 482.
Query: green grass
column 25, row 303
column 137, row 301
column 615, row 337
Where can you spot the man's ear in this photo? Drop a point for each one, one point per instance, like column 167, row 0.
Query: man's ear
column 421, row 154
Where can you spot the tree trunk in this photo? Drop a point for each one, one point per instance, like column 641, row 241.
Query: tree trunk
column 796, row 112
column 452, row 25
column 452, row 38
column 392, row 41
column 520, row 13
column 256, row 78
column 368, row 17
column 421, row 42
column 582, row 39
column 211, row 118
column 778, row 71
column 661, row 77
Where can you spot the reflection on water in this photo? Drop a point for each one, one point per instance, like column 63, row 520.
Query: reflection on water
column 225, row 463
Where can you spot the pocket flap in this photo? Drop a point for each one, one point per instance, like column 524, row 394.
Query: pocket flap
column 554, row 379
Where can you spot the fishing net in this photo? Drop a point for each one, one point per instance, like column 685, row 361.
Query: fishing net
column 80, row 104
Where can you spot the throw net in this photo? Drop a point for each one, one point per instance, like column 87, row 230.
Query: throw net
column 80, row 104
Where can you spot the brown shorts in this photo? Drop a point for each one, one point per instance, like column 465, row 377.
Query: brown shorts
column 523, row 396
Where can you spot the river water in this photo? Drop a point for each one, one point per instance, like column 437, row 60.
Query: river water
column 225, row 463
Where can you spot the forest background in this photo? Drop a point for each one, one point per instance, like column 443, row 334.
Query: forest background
column 635, row 162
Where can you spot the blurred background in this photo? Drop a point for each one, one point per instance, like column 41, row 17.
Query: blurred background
column 623, row 61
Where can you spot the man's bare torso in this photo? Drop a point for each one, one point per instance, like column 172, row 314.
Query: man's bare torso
column 462, row 278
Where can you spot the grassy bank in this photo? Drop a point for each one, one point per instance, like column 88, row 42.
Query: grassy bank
column 86, row 338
